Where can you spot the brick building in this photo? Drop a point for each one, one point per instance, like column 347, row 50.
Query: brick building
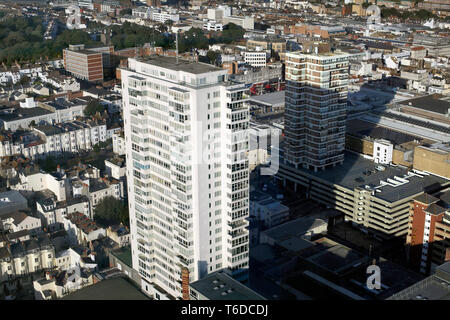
column 87, row 64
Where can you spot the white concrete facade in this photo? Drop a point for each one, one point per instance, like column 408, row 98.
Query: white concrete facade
column 187, row 169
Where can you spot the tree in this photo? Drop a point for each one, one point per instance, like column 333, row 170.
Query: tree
column 96, row 148
column 92, row 108
column 24, row 80
column 213, row 56
column 125, row 11
column 48, row 165
column 110, row 211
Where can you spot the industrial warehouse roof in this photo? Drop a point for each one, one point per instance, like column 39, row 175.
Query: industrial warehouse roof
column 435, row 287
column 182, row 65
column 220, row 286
column 434, row 103
column 363, row 128
column 356, row 171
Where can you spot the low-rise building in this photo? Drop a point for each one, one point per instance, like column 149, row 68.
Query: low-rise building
column 26, row 257
column 268, row 211
column 256, row 58
column 13, row 118
column 81, row 229
column 11, row 201
column 300, row 228
column 119, row 143
column 120, row 234
column 18, row 221
column 60, row 284
column 221, row 286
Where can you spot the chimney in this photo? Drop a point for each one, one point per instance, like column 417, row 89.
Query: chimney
column 48, row 276
column 185, row 283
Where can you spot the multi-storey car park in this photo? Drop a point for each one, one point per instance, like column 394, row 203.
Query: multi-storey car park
column 374, row 197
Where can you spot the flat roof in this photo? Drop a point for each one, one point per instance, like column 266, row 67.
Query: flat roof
column 182, row 65
column 357, row 171
column 11, row 197
column 49, row 129
column 124, row 255
column 293, row 228
column 331, row 256
column 426, row 198
column 435, row 287
column 434, row 103
column 110, row 289
column 220, row 286
column 273, row 98
column 23, row 113
column 363, row 128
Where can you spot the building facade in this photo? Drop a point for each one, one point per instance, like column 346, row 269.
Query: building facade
column 428, row 238
column 188, row 181
column 316, row 103
column 87, row 64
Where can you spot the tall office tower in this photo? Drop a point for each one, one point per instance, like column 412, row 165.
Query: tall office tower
column 316, row 103
column 188, row 178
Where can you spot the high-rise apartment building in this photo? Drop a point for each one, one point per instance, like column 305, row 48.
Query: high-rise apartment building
column 188, row 179
column 316, row 103
column 428, row 237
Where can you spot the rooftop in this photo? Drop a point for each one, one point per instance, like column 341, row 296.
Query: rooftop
column 294, row 228
column 82, row 222
column 182, row 65
column 434, row 103
column 17, row 216
column 331, row 256
column 363, row 128
column 9, row 197
column 273, row 98
column 358, row 172
column 426, row 198
column 110, row 289
column 220, row 286
column 23, row 113
column 123, row 254
column 435, row 287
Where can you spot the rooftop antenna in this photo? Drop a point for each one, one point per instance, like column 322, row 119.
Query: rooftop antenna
column 176, row 44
